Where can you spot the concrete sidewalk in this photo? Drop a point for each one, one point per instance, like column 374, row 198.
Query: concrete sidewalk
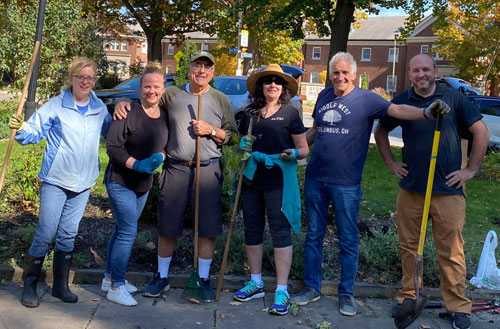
column 93, row 311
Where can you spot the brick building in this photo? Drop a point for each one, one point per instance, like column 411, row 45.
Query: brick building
column 373, row 47
column 125, row 50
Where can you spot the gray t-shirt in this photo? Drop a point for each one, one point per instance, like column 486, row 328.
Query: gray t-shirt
column 181, row 108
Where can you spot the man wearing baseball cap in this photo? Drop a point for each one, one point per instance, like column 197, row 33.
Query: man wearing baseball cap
column 177, row 179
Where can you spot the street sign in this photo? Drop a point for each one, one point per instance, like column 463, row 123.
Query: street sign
column 244, row 38
column 233, row 50
column 247, row 55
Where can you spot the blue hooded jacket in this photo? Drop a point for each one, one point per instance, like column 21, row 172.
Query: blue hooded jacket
column 71, row 158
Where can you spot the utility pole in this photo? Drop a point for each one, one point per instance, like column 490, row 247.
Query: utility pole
column 238, row 59
column 394, row 63
column 30, row 105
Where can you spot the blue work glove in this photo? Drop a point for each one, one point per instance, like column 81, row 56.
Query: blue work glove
column 246, row 143
column 289, row 155
column 437, row 107
column 148, row 165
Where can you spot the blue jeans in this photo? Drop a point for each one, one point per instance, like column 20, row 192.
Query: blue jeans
column 346, row 208
column 60, row 212
column 127, row 207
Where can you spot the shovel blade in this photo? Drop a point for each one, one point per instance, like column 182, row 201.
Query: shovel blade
column 409, row 311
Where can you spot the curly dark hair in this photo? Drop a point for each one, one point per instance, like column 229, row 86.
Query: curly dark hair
column 259, row 100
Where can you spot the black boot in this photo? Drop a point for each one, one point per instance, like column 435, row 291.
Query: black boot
column 60, row 289
column 29, row 298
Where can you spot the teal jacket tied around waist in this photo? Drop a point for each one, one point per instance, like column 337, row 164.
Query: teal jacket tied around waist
column 290, row 204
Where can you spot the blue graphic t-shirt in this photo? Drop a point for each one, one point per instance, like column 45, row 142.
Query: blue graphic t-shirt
column 343, row 128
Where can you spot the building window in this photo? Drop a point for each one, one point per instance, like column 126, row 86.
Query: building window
column 391, row 55
column 424, row 49
column 204, row 47
column 314, row 77
column 436, row 55
column 391, row 84
column 115, row 45
column 168, row 69
column 144, row 49
column 124, row 46
column 364, row 81
column 366, row 54
column 170, row 49
column 316, row 53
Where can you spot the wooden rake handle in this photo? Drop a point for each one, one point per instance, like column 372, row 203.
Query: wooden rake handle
column 22, row 100
column 197, row 190
column 231, row 222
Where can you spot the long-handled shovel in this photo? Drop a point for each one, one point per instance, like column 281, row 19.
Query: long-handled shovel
column 411, row 308
column 231, row 222
column 194, row 292
column 19, row 111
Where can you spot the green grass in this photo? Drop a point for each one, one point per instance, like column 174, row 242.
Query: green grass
column 483, row 201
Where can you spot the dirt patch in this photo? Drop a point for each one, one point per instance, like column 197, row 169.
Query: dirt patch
column 98, row 223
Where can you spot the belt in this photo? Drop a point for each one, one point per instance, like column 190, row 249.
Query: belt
column 192, row 163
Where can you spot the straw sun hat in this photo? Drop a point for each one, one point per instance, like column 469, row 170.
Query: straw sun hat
column 272, row 69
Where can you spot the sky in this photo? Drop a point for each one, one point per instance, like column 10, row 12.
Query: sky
column 394, row 12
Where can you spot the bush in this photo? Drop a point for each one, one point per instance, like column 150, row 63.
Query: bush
column 22, row 186
column 7, row 108
column 490, row 169
column 382, row 93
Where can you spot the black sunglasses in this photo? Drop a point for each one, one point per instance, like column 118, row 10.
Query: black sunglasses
column 273, row 78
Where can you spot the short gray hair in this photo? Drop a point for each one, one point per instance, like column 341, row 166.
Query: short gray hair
column 343, row 56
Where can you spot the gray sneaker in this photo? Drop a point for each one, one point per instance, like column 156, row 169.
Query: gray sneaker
column 347, row 305
column 306, row 296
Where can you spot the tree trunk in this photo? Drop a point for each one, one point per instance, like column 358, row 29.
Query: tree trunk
column 154, row 46
column 339, row 27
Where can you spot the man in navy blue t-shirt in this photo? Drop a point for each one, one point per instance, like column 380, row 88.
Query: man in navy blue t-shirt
column 447, row 207
column 343, row 119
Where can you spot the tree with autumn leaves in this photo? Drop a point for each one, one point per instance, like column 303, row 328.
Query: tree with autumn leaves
column 470, row 38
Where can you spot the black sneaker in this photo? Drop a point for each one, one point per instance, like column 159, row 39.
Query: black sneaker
column 156, row 286
column 460, row 320
column 207, row 288
column 395, row 309
column 347, row 305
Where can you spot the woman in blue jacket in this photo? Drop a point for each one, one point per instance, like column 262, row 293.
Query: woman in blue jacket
column 72, row 123
column 135, row 148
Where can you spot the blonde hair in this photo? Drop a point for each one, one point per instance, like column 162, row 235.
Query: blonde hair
column 78, row 65
column 153, row 67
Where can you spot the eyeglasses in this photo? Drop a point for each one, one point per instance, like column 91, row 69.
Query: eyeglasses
column 82, row 78
column 198, row 66
column 273, row 78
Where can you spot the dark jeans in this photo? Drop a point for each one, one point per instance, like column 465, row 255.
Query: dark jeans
column 346, row 207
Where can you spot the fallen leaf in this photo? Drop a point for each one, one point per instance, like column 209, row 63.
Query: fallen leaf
column 423, row 326
column 223, row 316
column 96, row 299
column 235, row 303
column 198, row 322
column 265, row 309
column 191, row 300
column 151, row 245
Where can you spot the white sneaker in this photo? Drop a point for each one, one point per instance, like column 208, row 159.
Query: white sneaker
column 121, row 296
column 106, row 285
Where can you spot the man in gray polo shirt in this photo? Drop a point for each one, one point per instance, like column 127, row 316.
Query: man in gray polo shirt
column 178, row 176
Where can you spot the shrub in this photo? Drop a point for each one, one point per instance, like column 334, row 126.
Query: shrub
column 382, row 93
column 490, row 169
column 7, row 108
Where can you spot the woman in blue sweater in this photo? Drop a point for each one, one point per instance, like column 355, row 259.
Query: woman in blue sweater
column 72, row 123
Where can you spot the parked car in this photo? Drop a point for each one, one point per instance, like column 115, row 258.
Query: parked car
column 489, row 106
column 235, row 88
column 462, row 86
column 128, row 88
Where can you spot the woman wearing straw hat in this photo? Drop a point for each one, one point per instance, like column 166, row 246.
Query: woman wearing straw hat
column 280, row 140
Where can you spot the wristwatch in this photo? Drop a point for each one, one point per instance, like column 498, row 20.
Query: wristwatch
column 214, row 131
